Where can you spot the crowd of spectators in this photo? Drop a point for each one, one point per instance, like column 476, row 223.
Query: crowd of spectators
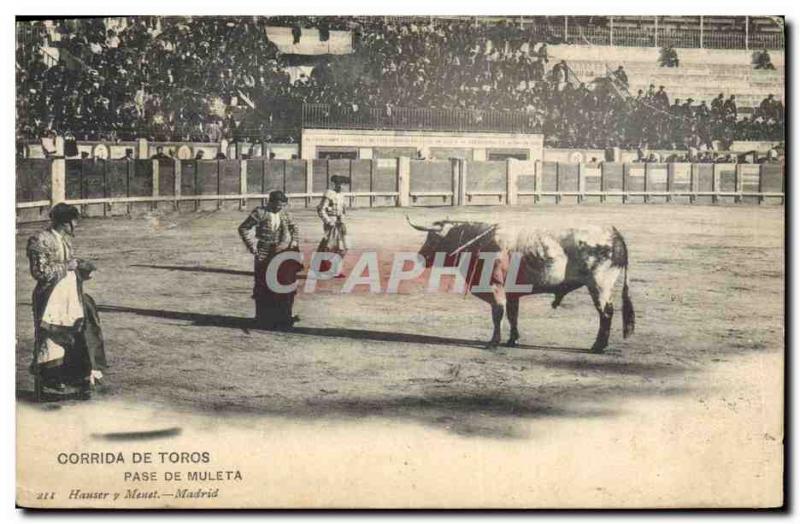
column 203, row 79
column 157, row 77
column 682, row 124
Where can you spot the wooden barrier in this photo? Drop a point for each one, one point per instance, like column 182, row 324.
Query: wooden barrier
column 103, row 188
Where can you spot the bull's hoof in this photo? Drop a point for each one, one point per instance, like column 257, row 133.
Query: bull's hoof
column 599, row 348
column 512, row 343
column 556, row 301
column 492, row 344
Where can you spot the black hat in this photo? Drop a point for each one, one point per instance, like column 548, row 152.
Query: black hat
column 278, row 196
column 62, row 213
column 337, row 179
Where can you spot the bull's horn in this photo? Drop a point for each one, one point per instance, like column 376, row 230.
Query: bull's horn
column 422, row 228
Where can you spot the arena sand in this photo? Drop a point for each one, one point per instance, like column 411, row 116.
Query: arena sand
column 392, row 400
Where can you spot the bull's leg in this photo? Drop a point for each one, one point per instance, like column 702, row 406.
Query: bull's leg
column 601, row 296
column 497, row 300
column 498, row 303
column 605, row 328
column 497, row 320
column 562, row 291
column 512, row 312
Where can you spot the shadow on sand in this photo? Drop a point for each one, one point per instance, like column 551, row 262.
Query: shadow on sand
column 487, row 404
column 197, row 269
column 247, row 324
column 458, row 408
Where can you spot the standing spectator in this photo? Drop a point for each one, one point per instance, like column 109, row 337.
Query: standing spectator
column 324, row 30
column 159, row 154
column 660, row 99
column 717, row 105
column 560, row 75
column 537, row 71
column 542, row 53
column 729, row 108
column 621, row 77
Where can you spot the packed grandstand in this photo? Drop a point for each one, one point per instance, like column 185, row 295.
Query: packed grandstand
column 203, row 79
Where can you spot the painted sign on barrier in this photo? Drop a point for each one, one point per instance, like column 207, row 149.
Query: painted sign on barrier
column 751, row 176
column 681, row 174
column 592, row 175
column 657, row 175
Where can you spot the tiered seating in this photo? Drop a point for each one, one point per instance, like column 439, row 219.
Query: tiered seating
column 696, row 80
column 184, row 78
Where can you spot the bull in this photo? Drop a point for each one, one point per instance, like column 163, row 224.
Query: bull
column 556, row 263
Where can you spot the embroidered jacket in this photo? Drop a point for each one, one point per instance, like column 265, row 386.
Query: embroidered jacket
column 263, row 231
column 331, row 208
column 48, row 253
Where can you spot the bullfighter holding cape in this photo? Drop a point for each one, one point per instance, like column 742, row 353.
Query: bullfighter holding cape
column 68, row 342
column 268, row 231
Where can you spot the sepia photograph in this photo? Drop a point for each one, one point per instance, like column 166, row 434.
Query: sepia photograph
column 516, row 261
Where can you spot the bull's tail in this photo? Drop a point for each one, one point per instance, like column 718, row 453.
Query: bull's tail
column 628, row 314
column 620, row 259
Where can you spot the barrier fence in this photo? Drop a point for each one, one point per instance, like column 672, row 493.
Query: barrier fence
column 120, row 187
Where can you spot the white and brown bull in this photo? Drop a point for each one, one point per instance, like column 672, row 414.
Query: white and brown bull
column 544, row 262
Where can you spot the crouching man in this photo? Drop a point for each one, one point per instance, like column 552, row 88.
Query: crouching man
column 268, row 231
column 68, row 342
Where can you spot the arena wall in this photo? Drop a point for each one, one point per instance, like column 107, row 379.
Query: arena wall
column 144, row 149
column 338, row 43
column 424, row 144
column 122, row 187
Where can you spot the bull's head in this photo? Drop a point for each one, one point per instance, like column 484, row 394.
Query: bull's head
column 435, row 239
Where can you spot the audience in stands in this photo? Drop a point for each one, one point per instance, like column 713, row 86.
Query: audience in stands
column 204, row 79
column 668, row 57
column 762, row 60
column 621, row 77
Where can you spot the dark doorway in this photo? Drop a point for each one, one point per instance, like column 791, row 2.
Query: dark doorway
column 338, row 155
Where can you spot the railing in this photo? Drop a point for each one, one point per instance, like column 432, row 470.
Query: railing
column 766, row 41
column 49, row 59
column 648, row 33
column 323, row 116
column 679, row 38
